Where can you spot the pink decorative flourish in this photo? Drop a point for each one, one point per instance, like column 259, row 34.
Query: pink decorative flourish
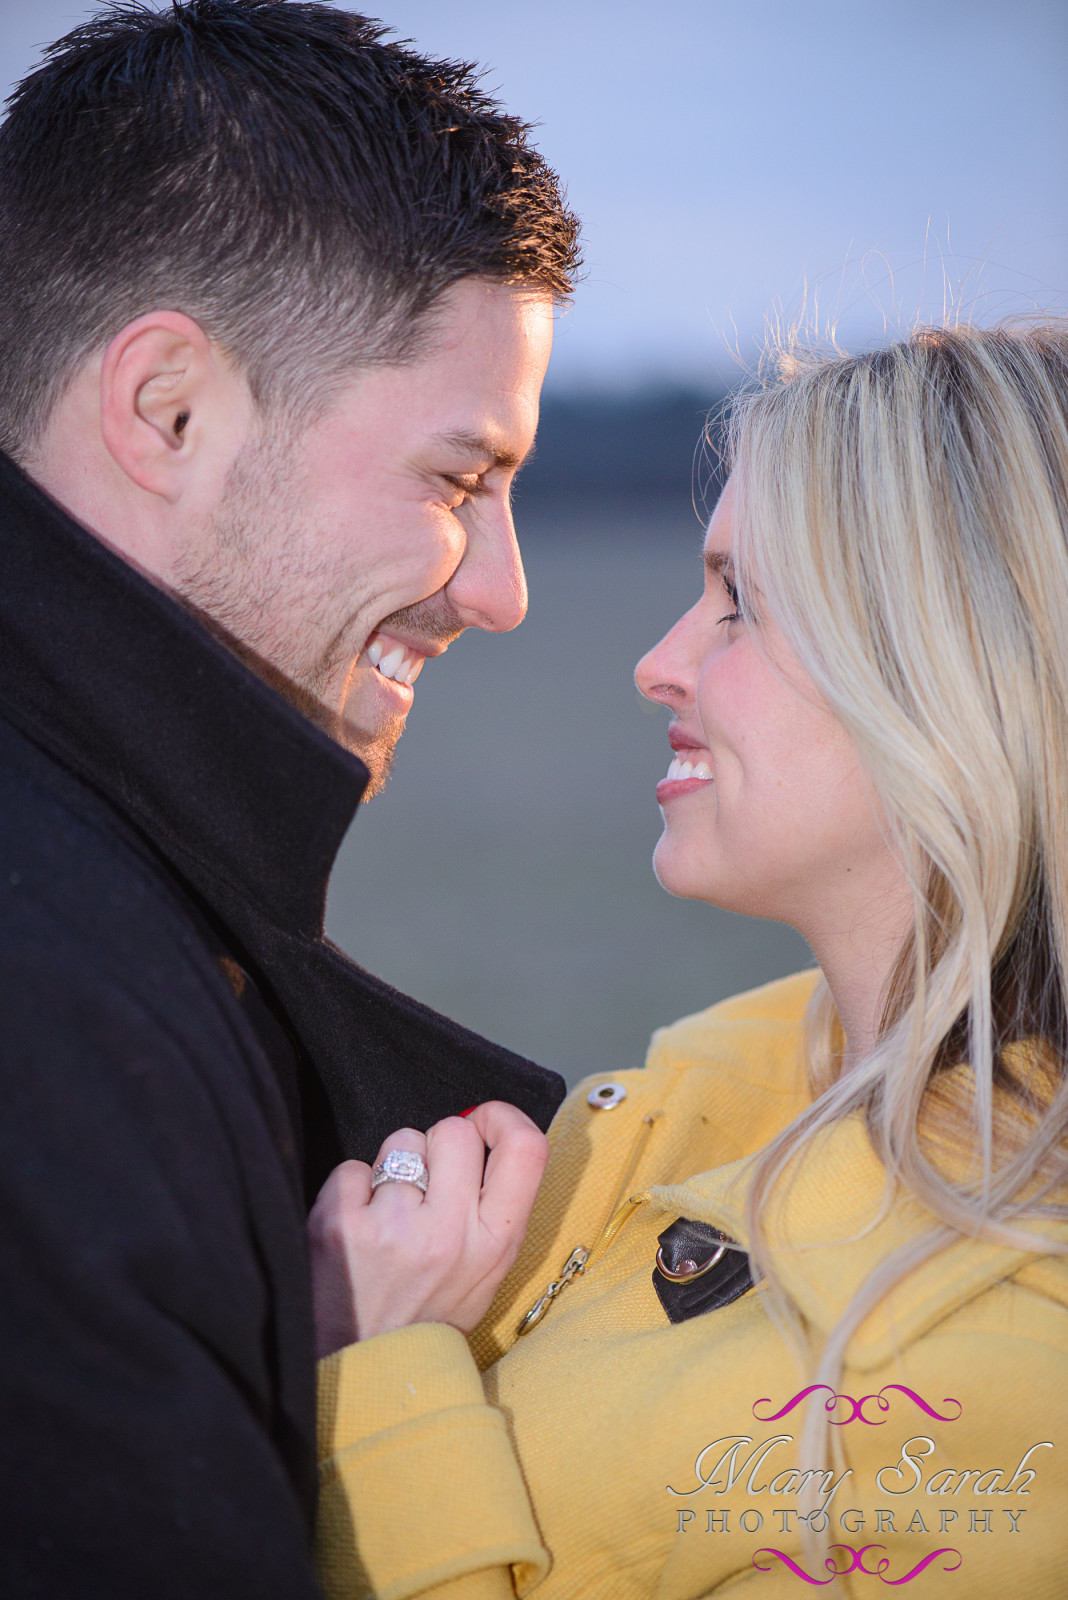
column 882, row 1565
column 857, row 1411
column 856, row 1564
column 833, row 1569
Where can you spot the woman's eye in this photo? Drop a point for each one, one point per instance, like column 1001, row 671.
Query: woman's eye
column 736, row 614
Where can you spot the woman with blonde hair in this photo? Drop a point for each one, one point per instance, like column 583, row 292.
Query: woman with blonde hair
column 792, row 1309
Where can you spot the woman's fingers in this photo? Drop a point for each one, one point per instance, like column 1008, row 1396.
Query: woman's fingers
column 354, row 1181
column 347, row 1190
column 387, row 1258
column 342, row 1200
column 509, row 1133
column 518, row 1153
column 403, row 1139
column 455, row 1156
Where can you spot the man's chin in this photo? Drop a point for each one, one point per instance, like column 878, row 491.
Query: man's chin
column 376, row 751
column 379, row 766
column 375, row 746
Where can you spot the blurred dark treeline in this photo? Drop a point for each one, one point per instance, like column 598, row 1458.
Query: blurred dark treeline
column 600, row 447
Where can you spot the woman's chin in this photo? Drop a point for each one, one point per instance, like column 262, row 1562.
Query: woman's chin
column 688, row 875
column 678, row 872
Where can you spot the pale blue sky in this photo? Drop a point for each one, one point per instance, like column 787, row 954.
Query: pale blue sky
column 724, row 156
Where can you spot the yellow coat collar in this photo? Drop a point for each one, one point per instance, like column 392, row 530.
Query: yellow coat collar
column 836, row 1223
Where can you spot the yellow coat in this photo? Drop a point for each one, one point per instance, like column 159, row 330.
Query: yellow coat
column 569, row 1466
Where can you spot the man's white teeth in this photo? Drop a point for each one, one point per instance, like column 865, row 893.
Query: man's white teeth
column 398, row 664
column 680, row 770
column 390, row 665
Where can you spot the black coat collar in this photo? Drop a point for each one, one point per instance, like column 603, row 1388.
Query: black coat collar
column 244, row 797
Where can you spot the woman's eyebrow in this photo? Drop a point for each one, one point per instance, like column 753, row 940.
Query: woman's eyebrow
column 717, row 562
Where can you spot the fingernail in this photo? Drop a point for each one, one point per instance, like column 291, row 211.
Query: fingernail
column 468, row 1112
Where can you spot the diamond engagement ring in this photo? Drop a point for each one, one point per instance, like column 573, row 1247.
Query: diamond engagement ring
column 401, row 1166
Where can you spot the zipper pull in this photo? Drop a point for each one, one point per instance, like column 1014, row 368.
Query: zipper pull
column 572, row 1267
column 580, row 1257
column 579, row 1260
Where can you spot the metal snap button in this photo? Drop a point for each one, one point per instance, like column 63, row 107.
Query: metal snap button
column 688, row 1268
column 606, row 1096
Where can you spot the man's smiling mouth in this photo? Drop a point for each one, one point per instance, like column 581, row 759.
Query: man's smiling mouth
column 391, row 659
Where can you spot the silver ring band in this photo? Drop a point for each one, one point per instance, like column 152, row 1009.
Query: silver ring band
column 401, row 1166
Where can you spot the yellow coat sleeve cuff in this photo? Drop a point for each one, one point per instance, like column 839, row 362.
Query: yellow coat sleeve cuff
column 418, row 1481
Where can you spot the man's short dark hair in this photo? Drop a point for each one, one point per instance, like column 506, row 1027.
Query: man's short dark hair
column 301, row 187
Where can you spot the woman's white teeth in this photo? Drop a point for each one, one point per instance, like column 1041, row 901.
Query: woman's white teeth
column 678, row 771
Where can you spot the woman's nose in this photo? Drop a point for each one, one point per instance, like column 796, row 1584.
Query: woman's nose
column 665, row 673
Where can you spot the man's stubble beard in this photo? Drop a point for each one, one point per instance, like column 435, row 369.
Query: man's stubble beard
column 248, row 573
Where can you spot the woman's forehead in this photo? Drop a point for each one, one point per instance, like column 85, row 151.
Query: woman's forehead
column 719, row 539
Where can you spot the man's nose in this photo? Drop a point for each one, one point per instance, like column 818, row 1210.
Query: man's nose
column 489, row 587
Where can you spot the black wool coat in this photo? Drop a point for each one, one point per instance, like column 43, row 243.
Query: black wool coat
column 183, row 1057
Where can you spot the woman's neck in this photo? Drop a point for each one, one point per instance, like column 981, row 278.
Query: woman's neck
column 857, row 947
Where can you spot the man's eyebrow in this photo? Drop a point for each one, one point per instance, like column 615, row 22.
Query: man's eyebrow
column 477, row 444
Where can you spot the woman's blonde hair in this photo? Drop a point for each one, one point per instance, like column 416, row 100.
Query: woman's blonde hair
column 903, row 516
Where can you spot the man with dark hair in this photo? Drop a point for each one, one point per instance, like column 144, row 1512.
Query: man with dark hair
column 276, row 301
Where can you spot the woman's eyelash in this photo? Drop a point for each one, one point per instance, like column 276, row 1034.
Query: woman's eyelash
column 736, row 614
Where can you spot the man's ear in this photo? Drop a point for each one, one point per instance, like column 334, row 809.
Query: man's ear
column 160, row 389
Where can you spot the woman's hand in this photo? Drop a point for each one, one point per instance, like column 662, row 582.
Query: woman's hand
column 384, row 1260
